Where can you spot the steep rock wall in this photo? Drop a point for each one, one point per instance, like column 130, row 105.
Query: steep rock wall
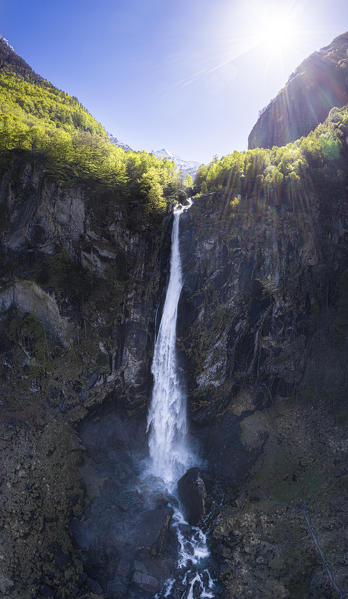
column 82, row 276
column 263, row 335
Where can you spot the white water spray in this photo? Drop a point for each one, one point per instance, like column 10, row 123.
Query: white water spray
column 170, row 454
column 167, row 420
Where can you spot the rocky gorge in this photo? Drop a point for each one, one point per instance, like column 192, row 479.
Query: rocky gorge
column 262, row 349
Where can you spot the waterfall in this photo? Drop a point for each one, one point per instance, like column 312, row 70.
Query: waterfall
column 170, row 453
column 167, row 420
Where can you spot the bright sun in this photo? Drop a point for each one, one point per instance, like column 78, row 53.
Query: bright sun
column 280, row 30
column 277, row 28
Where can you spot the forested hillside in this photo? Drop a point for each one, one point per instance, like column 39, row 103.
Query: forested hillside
column 54, row 127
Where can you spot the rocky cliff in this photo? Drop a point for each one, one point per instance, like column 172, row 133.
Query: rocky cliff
column 317, row 85
column 264, row 340
column 81, row 284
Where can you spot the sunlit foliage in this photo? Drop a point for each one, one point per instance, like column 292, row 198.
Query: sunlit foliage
column 188, row 181
column 282, row 173
column 35, row 117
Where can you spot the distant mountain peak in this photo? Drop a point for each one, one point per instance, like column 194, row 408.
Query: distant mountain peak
column 6, row 42
column 164, row 152
column 120, row 144
column 189, row 167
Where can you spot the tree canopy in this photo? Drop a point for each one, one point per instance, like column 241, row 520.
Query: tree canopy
column 282, row 173
column 37, row 118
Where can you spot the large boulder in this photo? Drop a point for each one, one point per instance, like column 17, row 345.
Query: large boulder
column 193, row 495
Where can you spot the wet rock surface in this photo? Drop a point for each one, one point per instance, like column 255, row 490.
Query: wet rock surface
column 193, row 495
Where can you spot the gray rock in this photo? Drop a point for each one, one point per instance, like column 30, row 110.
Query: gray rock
column 27, row 296
column 93, row 379
column 192, row 493
column 94, row 586
column 153, row 529
column 144, row 580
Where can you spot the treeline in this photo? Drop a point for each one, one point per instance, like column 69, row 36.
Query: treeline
column 44, row 121
column 282, row 173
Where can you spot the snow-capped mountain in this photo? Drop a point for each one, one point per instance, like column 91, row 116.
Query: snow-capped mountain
column 5, row 41
column 185, row 166
column 117, row 142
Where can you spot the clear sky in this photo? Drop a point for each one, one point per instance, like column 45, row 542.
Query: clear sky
column 188, row 75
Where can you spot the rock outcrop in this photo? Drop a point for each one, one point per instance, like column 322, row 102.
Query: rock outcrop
column 193, row 495
column 317, row 85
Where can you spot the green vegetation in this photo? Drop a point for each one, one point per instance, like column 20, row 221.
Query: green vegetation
column 37, row 118
column 282, row 173
column 33, row 347
column 188, row 181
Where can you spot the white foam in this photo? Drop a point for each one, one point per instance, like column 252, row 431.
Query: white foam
column 170, row 453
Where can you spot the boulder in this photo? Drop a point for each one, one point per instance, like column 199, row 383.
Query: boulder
column 193, row 495
column 144, row 580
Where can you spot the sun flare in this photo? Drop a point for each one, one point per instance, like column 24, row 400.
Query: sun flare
column 277, row 28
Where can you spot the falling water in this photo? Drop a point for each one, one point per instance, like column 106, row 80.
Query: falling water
column 170, row 453
column 167, row 420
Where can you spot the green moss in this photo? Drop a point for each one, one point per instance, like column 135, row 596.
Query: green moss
column 34, row 348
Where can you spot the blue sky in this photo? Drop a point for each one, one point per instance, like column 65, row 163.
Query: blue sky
column 188, row 75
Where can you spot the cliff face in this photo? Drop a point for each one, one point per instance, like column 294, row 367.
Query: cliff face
column 264, row 339
column 81, row 281
column 317, row 85
column 264, row 342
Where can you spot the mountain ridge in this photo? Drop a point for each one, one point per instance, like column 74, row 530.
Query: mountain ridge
column 10, row 61
column 318, row 84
